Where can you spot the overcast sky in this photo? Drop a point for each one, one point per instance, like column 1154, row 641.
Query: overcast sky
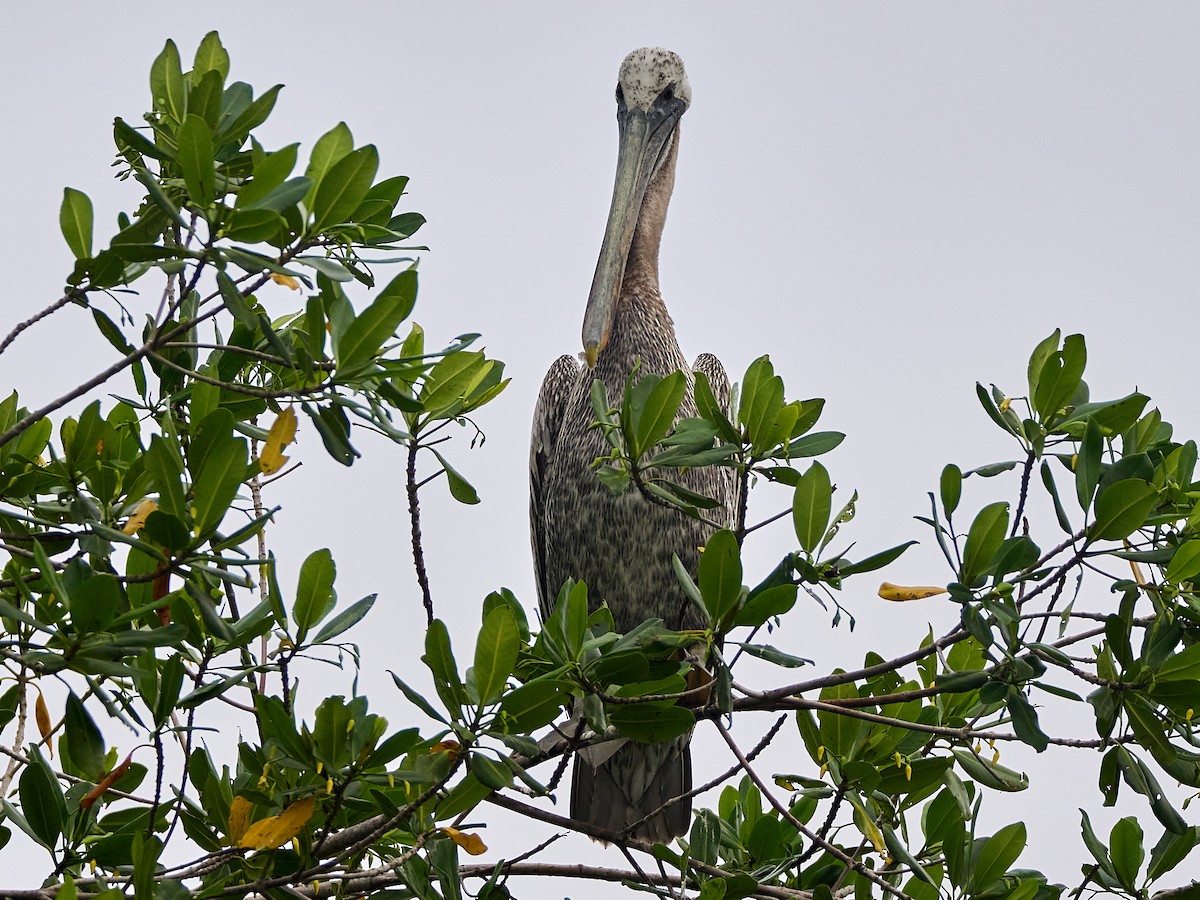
column 893, row 201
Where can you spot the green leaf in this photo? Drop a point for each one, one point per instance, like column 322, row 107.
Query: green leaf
column 330, row 268
column 1170, row 850
column 1182, row 666
column 1185, row 564
column 75, row 220
column 195, row 158
column 900, row 851
column 84, row 739
column 719, row 575
column 218, row 482
column 1125, row 847
column 206, row 600
column 251, row 116
column 839, row 732
column 533, row 705
column 315, row 596
column 460, row 489
column 1122, row 508
column 491, row 773
column 377, row 324
column 811, row 506
column 344, row 186
column 94, row 603
column 439, row 658
column 995, row 856
column 989, row 406
column 874, row 561
column 651, row 723
column 983, row 542
column 165, row 468
column 210, row 690
column 334, row 430
column 774, row 655
column 1095, row 845
column 417, row 700
column 1138, row 775
column 658, row 412
column 345, row 620
column 815, row 444
column 451, row 381
column 1060, row 377
column 1052, row 489
column 282, row 198
column 42, row 800
column 167, row 86
column 495, row 653
column 211, row 57
column 1037, row 360
column 1113, row 416
column 253, row 226
column 774, row 601
column 1025, row 720
column 161, row 200
column 127, row 138
column 989, row 774
column 761, row 405
column 1088, row 464
column 329, row 148
column 951, row 488
column 236, row 303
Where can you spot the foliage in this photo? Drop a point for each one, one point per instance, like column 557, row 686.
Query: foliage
column 138, row 578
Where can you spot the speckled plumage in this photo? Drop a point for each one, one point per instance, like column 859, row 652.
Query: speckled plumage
column 621, row 546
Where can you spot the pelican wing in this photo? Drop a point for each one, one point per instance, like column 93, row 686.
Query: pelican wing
column 547, row 419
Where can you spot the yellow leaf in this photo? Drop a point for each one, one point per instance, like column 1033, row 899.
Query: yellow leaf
column 899, row 593
column 239, row 818
column 42, row 714
column 282, row 433
column 135, row 522
column 868, row 827
column 275, row 831
column 1005, row 404
column 472, row 843
column 286, row 280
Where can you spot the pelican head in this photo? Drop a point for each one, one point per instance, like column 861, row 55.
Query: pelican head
column 652, row 95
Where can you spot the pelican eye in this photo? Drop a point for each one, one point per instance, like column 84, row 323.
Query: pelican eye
column 668, row 93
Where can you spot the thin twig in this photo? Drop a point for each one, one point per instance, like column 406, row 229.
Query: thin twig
column 832, row 849
column 414, row 514
column 541, row 815
column 69, row 296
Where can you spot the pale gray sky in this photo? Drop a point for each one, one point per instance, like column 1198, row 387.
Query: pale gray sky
column 893, row 201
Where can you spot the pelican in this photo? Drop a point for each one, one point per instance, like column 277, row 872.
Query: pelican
column 621, row 546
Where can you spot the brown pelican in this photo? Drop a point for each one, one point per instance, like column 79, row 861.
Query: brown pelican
column 621, row 546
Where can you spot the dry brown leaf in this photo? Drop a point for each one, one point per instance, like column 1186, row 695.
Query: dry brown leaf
column 454, row 748
column 42, row 715
column 135, row 522
column 89, row 799
column 275, row 831
column 899, row 593
column 282, row 433
column 472, row 843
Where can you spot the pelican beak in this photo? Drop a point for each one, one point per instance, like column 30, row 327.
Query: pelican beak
column 645, row 140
